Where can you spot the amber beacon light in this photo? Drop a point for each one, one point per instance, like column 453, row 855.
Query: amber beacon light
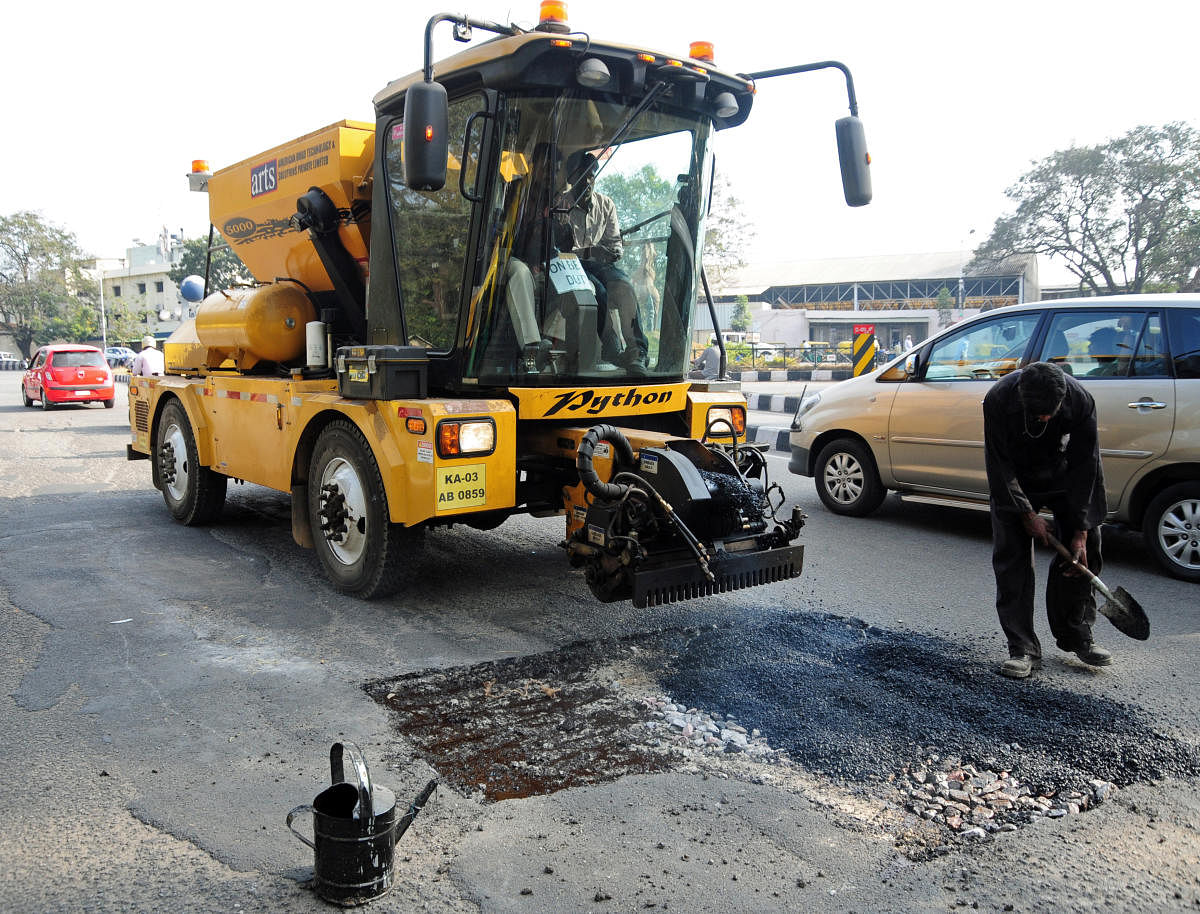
column 701, row 50
column 553, row 15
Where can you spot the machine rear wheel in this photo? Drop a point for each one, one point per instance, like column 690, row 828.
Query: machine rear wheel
column 847, row 481
column 362, row 552
column 194, row 494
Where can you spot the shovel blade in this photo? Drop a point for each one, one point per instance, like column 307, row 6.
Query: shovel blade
column 1126, row 613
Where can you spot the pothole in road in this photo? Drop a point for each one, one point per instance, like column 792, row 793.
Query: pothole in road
column 874, row 719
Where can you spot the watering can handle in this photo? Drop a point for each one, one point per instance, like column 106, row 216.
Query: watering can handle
column 292, row 815
column 366, row 805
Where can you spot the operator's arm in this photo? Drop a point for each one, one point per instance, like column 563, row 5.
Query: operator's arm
column 608, row 247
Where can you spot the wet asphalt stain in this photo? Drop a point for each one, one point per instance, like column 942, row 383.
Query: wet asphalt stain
column 854, row 703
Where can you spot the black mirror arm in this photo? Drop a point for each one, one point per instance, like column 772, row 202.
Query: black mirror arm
column 808, row 68
column 712, row 311
column 462, row 32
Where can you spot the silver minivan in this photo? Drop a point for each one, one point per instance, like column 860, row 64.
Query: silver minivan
column 915, row 426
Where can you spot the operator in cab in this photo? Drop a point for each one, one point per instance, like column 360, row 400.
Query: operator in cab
column 590, row 231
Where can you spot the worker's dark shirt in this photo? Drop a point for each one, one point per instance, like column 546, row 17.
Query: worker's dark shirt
column 1026, row 465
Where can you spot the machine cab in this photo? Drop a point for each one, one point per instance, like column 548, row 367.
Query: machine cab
column 564, row 245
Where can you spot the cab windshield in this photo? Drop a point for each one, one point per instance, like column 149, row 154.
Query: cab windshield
column 590, row 256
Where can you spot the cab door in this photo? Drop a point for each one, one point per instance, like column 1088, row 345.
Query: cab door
column 935, row 435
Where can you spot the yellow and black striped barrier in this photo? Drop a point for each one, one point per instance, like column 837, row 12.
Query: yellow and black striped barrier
column 864, row 353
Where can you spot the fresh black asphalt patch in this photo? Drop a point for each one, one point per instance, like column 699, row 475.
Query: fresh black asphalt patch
column 852, row 703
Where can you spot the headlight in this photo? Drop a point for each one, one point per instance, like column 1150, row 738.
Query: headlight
column 466, row 438
column 720, row 418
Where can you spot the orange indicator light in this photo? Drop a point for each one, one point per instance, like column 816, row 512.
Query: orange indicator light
column 673, row 63
column 429, row 133
column 199, row 166
column 646, row 58
column 448, row 439
column 415, row 424
column 701, row 50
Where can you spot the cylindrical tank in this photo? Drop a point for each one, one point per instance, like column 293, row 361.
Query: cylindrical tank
column 253, row 325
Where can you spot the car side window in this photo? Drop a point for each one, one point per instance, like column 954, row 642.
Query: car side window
column 1091, row 344
column 1184, row 326
column 984, row 351
column 1150, row 360
column 40, row 360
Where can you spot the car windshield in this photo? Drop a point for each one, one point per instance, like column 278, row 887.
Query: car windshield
column 590, row 268
column 77, row 358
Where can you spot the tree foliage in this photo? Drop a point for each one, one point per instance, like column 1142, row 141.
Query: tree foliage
column 1124, row 216
column 44, row 293
column 727, row 234
column 741, row 320
column 225, row 270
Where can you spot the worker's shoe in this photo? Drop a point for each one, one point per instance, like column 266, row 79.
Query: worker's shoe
column 1093, row 655
column 1020, row 667
column 633, row 360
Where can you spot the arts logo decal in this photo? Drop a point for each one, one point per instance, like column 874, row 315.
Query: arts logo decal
column 263, row 179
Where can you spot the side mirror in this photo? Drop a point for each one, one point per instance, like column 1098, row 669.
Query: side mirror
column 426, row 136
column 855, row 161
column 910, row 366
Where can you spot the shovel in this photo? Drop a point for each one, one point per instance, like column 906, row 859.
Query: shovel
column 1122, row 610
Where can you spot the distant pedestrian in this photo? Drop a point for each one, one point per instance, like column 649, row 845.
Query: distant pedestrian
column 908, row 343
column 149, row 361
column 1041, row 450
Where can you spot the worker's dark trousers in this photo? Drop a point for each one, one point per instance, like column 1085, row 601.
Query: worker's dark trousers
column 1070, row 603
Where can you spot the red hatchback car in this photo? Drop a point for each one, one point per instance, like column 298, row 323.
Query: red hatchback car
column 68, row 373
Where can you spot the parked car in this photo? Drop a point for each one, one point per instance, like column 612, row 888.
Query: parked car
column 121, row 356
column 66, row 373
column 915, row 426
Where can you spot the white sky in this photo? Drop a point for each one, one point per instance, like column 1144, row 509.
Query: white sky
column 105, row 105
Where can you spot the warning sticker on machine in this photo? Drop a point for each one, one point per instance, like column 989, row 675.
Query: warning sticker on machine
column 461, row 487
column 424, row 452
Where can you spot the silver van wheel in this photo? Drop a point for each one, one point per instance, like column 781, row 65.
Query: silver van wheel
column 1171, row 529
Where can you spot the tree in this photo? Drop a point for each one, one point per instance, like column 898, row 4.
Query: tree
column 1124, row 215
column 44, row 292
column 945, row 301
column 726, row 234
column 741, row 320
column 225, row 270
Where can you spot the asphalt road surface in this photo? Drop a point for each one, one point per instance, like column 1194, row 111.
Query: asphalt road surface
column 169, row 694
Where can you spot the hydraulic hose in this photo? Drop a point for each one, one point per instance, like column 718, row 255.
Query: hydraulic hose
column 622, row 455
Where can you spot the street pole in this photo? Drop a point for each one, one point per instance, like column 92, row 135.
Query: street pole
column 103, row 317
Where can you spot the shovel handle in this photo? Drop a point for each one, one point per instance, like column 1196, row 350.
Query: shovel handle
column 1066, row 554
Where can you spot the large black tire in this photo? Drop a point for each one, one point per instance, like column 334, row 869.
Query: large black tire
column 108, row 404
column 847, row 480
column 25, row 397
column 1171, row 528
column 362, row 552
column 194, row 494
column 46, row 404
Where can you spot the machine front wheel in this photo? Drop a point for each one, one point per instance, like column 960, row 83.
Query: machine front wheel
column 194, row 494
column 363, row 554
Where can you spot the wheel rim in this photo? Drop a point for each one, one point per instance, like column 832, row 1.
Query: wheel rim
column 844, row 478
column 1179, row 533
column 173, row 462
column 343, row 511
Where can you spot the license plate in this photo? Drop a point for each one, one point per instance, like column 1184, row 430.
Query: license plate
column 83, row 393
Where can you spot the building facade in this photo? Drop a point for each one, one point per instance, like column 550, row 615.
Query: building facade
column 138, row 292
column 901, row 295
